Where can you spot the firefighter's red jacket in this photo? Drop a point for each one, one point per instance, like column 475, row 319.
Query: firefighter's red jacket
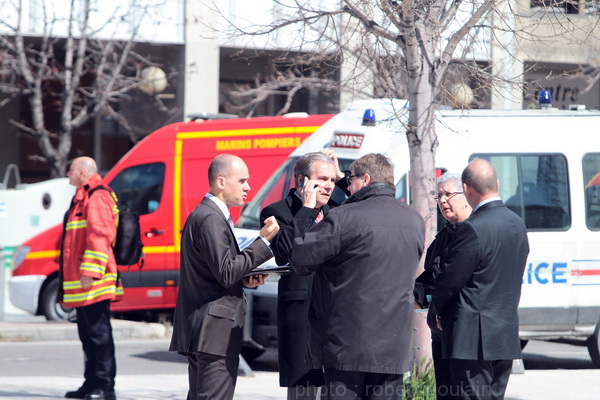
column 88, row 233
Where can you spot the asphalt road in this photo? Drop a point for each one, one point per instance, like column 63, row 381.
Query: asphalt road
column 146, row 370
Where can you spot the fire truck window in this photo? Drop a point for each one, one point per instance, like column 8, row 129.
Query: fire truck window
column 591, row 186
column 275, row 189
column 536, row 187
column 140, row 187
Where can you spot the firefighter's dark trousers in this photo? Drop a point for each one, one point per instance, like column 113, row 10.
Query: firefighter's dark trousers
column 95, row 333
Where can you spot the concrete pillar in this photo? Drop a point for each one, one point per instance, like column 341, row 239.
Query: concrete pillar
column 201, row 59
column 507, row 68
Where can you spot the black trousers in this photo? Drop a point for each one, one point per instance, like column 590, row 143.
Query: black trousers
column 479, row 379
column 211, row 377
column 443, row 372
column 95, row 333
column 354, row 385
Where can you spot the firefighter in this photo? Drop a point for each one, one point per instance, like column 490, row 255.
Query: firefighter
column 89, row 279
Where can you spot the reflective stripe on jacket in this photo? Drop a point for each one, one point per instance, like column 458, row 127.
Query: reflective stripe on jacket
column 89, row 231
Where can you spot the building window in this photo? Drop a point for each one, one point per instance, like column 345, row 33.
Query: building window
column 589, row 7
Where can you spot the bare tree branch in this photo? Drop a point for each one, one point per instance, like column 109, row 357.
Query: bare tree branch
column 78, row 81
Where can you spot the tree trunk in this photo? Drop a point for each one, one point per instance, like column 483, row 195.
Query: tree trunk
column 422, row 145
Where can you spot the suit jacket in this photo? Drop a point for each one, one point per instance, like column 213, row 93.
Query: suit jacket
column 209, row 315
column 293, row 292
column 478, row 291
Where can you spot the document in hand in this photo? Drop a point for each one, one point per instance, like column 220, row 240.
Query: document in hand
column 270, row 270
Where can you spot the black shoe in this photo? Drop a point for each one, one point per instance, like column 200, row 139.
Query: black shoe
column 79, row 393
column 100, row 394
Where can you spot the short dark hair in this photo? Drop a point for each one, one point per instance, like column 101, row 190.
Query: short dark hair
column 481, row 176
column 304, row 165
column 219, row 166
column 379, row 167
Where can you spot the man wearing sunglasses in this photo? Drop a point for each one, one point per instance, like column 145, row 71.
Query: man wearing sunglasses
column 364, row 255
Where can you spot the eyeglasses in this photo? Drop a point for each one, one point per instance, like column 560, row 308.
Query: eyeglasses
column 350, row 177
column 447, row 195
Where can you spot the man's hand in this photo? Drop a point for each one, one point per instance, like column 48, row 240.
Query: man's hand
column 270, row 229
column 255, row 280
column 309, row 193
column 329, row 153
column 438, row 322
column 86, row 281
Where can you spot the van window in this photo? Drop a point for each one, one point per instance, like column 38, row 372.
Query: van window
column 535, row 186
column 140, row 187
column 591, row 185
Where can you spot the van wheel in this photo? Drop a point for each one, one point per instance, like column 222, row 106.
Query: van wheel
column 49, row 308
column 593, row 345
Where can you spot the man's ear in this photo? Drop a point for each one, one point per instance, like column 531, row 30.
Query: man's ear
column 220, row 182
column 466, row 189
column 367, row 178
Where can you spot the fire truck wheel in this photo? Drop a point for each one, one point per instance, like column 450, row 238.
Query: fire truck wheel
column 49, row 308
column 593, row 345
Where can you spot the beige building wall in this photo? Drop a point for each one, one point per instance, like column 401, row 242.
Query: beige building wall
column 549, row 43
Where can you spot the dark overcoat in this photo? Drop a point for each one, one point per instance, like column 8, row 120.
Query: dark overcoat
column 365, row 255
column 293, row 292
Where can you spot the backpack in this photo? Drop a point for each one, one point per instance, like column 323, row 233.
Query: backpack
column 127, row 246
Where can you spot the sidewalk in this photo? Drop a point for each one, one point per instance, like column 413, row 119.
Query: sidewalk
column 538, row 384
column 533, row 385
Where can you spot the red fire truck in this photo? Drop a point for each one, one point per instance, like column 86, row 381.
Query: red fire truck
column 162, row 178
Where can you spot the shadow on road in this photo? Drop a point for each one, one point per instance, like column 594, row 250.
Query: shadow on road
column 267, row 362
column 166, row 356
column 557, row 355
column 535, row 361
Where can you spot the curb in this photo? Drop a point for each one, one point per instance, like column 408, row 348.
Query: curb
column 53, row 330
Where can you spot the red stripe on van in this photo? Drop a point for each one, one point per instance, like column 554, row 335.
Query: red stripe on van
column 580, row 272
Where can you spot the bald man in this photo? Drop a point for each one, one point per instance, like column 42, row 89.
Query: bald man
column 88, row 274
column 477, row 294
column 209, row 316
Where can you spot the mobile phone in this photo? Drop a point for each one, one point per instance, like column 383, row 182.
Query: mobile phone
column 304, row 180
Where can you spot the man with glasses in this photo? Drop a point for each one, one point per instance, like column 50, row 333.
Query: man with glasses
column 477, row 293
column 364, row 255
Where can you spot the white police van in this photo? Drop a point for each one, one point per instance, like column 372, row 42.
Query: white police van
column 548, row 164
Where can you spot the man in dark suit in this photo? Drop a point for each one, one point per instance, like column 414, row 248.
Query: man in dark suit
column 315, row 175
column 209, row 316
column 477, row 294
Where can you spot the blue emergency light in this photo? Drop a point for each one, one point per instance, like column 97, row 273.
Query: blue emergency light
column 545, row 99
column 369, row 118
